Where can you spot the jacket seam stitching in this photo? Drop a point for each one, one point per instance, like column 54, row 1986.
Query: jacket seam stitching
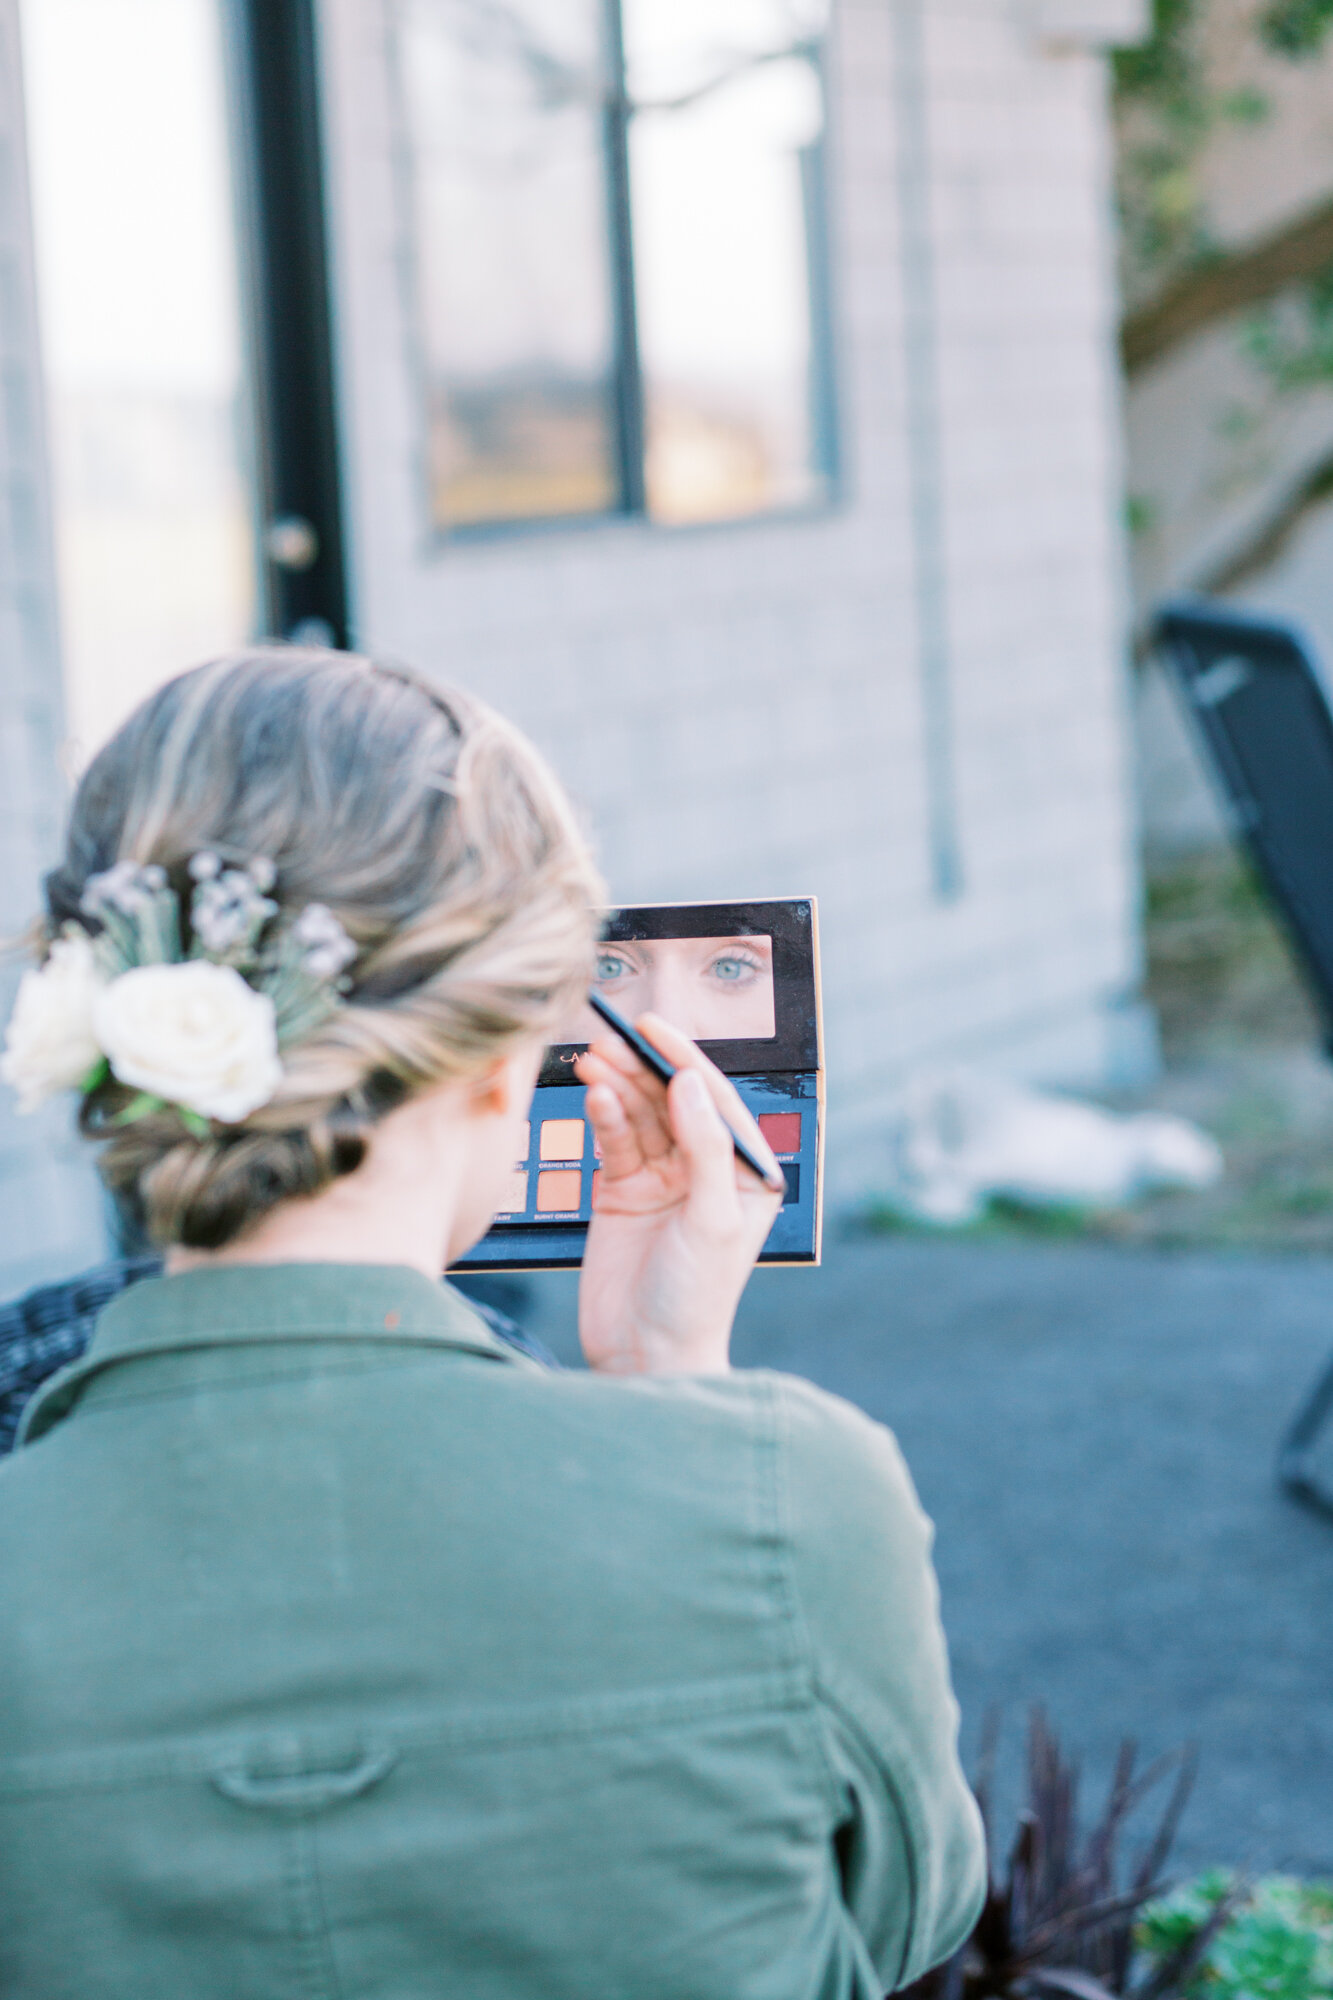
column 852, row 1722
column 325, row 1981
column 341, row 1365
column 774, row 1692
column 803, row 1639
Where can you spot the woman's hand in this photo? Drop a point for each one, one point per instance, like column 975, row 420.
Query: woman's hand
column 679, row 1220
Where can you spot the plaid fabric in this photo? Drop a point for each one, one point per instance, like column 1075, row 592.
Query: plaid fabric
column 50, row 1327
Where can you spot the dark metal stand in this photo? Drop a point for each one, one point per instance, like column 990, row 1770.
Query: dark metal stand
column 1259, row 711
column 1294, row 1468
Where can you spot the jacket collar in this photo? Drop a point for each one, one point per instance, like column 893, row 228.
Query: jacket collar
column 248, row 1305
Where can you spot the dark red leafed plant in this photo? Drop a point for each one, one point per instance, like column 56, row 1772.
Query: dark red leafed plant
column 1060, row 1921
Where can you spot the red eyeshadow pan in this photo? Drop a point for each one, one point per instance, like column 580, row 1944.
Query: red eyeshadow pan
column 782, row 1129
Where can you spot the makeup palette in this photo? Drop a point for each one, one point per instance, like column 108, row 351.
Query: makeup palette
column 742, row 980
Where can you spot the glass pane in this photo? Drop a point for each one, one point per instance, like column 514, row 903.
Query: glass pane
column 505, row 108
column 729, row 114
column 136, row 266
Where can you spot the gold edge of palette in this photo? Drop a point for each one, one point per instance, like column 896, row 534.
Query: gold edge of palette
column 493, row 1270
column 821, row 1095
column 818, row 971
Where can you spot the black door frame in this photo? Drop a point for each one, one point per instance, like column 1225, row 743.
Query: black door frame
column 274, row 83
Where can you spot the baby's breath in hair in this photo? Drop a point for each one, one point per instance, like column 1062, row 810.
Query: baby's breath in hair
column 186, row 999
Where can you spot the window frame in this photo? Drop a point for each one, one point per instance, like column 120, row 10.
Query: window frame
column 626, row 380
column 273, row 81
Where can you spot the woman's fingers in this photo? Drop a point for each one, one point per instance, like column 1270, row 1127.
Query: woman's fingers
column 641, row 1103
column 644, row 1102
column 712, row 1196
column 679, row 1049
column 620, row 1150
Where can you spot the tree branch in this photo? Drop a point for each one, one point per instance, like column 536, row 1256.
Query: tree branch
column 1299, row 249
column 1272, row 535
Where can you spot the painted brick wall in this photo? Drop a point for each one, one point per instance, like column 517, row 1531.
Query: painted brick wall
column 50, row 1214
column 793, row 706
column 748, row 710
column 741, row 710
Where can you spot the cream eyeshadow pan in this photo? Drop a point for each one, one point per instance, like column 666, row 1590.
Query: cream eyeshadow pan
column 562, row 1139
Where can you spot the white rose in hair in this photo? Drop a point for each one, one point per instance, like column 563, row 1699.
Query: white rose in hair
column 193, row 1034
column 51, row 1044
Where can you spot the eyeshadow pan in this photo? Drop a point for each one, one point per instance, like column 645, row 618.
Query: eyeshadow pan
column 561, row 1192
column 515, row 1194
column 526, row 1147
column 792, row 1176
column 782, row 1129
column 562, row 1139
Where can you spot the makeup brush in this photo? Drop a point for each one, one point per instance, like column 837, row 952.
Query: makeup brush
column 664, row 1071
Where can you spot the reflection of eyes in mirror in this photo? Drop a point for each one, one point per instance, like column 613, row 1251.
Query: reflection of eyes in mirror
column 712, row 989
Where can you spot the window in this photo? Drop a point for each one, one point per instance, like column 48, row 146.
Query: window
column 137, row 266
column 620, row 256
column 178, row 229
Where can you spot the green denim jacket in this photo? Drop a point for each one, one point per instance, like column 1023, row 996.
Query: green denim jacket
column 344, row 1652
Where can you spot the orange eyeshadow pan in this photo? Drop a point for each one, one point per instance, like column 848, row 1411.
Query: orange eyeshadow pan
column 562, row 1139
column 560, row 1192
column 782, row 1129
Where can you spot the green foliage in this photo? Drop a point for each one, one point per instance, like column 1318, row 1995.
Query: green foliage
column 96, row 1076
column 144, row 1105
column 1177, row 1919
column 1060, row 1912
column 1160, row 67
column 1002, row 1219
column 1296, row 28
column 1062, row 1918
column 1168, row 111
column 1274, row 1940
column 1292, row 342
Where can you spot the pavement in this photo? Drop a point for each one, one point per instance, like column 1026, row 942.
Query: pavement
column 1093, row 1430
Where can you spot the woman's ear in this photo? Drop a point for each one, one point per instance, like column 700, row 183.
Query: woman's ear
column 505, row 1086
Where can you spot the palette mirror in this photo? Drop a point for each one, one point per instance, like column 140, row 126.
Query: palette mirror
column 742, row 980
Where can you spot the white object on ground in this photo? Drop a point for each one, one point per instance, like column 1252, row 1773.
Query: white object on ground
column 960, row 1137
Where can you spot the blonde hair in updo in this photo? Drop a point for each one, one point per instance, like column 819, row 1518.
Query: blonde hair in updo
column 428, row 825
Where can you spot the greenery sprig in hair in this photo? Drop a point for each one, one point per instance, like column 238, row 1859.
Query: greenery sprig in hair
column 187, row 999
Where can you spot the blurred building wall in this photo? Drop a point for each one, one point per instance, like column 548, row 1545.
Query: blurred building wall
column 925, row 679
column 910, row 702
column 50, row 1214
